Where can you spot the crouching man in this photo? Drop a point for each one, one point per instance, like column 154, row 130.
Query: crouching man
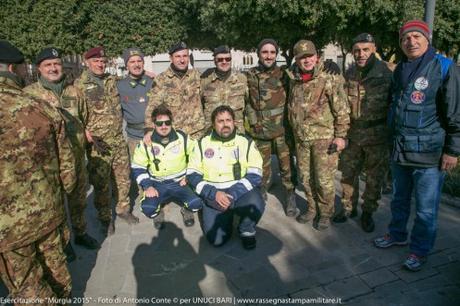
column 226, row 171
column 160, row 168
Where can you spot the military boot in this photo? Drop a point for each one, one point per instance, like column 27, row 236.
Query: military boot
column 322, row 224
column 306, row 217
column 367, row 223
column 87, row 241
column 263, row 192
column 291, row 207
column 187, row 215
column 108, row 227
column 342, row 217
column 128, row 218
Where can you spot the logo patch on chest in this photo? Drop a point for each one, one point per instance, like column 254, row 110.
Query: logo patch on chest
column 156, row 150
column 417, row 97
column 421, row 83
column 209, row 153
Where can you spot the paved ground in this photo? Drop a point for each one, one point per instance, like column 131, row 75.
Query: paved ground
column 176, row 265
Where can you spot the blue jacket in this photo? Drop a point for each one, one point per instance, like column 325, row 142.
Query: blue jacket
column 425, row 115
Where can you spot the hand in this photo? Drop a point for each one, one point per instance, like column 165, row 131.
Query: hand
column 151, row 192
column 331, row 67
column 148, row 138
column 223, row 199
column 340, row 142
column 183, row 182
column 448, row 162
column 100, row 146
column 150, row 74
column 89, row 138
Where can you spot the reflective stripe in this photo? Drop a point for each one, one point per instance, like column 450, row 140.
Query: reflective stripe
column 246, row 184
column 200, row 186
column 254, row 170
column 142, row 177
column 136, row 166
column 223, row 185
column 176, row 176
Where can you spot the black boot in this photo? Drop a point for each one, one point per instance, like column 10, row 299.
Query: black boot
column 367, row 223
column 87, row 241
column 187, row 215
column 306, row 217
column 70, row 253
column 158, row 220
column 342, row 217
column 291, row 206
column 108, row 227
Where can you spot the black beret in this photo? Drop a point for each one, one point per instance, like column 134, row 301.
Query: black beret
column 221, row 49
column 265, row 41
column 9, row 54
column 177, row 47
column 364, row 37
column 47, row 53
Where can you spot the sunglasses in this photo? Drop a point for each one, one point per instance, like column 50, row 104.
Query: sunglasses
column 223, row 59
column 160, row 123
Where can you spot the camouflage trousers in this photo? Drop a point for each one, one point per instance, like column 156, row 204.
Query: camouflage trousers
column 282, row 152
column 38, row 270
column 317, row 172
column 109, row 170
column 370, row 159
column 77, row 198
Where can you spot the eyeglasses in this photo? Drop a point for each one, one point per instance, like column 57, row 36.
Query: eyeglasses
column 223, row 59
column 160, row 123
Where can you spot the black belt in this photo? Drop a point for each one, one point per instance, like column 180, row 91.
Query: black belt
column 135, row 126
column 367, row 123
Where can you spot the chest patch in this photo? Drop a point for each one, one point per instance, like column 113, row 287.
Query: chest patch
column 417, row 97
column 209, row 153
column 156, row 150
column 421, row 83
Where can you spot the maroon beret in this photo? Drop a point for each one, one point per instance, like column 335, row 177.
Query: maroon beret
column 95, row 52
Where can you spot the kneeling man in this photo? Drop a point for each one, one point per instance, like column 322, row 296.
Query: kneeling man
column 159, row 168
column 226, row 171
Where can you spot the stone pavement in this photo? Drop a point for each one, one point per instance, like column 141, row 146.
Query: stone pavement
column 176, row 265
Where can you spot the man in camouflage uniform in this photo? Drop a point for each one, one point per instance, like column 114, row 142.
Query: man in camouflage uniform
column 265, row 114
column 318, row 113
column 108, row 159
column 367, row 86
column 222, row 86
column 59, row 92
column 178, row 88
column 37, row 164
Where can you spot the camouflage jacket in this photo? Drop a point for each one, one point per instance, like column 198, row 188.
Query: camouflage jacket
column 182, row 97
column 318, row 109
column 104, row 109
column 72, row 106
column 232, row 91
column 265, row 109
column 368, row 100
column 36, row 163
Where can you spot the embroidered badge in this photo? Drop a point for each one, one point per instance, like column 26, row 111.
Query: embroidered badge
column 417, row 97
column 209, row 153
column 156, row 150
column 175, row 149
column 421, row 83
column 54, row 52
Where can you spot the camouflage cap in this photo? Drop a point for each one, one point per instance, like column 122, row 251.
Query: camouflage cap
column 127, row 53
column 177, row 47
column 304, row 47
column 9, row 54
column 47, row 53
column 364, row 37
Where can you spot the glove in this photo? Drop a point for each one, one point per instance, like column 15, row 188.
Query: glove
column 331, row 68
column 101, row 147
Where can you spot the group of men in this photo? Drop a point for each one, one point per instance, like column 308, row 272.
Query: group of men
column 206, row 141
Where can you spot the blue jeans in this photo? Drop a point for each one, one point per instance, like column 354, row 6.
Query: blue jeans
column 217, row 225
column 170, row 191
column 426, row 183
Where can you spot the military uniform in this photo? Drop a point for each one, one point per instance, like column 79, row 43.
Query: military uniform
column 72, row 105
column 182, row 97
column 162, row 165
column 105, row 122
column 265, row 114
column 318, row 113
column 231, row 91
column 367, row 151
column 37, row 163
column 211, row 169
